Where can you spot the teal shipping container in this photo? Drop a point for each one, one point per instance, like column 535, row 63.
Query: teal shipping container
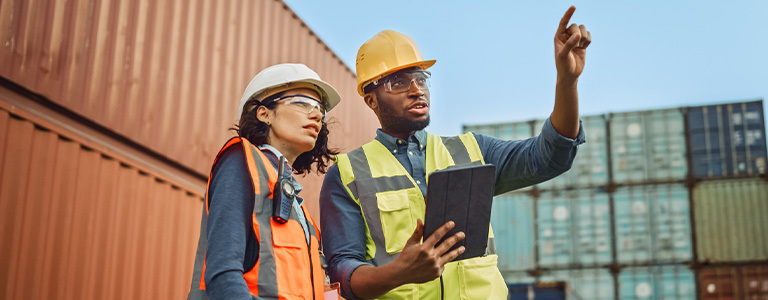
column 673, row 282
column 574, row 228
column 731, row 220
column 512, row 223
column 590, row 284
column 648, row 146
column 727, row 140
column 517, row 277
column 652, row 224
column 590, row 167
column 505, row 131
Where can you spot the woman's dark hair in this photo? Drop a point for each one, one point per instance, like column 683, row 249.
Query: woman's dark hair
column 257, row 132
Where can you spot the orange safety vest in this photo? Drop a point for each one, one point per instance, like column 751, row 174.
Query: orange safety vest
column 287, row 268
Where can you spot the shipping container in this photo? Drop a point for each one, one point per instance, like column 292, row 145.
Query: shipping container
column 652, row 224
column 573, row 228
column 517, row 277
column 590, row 167
column 593, row 284
column 727, row 140
column 81, row 221
column 674, row 282
column 730, row 220
column 647, row 146
column 512, row 222
column 538, row 291
column 169, row 75
column 729, row 282
column 505, row 131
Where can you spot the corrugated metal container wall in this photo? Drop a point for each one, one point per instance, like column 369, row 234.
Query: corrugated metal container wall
column 648, row 146
column 730, row 220
column 658, row 282
column 734, row 282
column 517, row 277
column 574, row 228
column 82, row 223
column 584, row 283
column 590, row 168
column 512, row 223
column 506, row 131
column 169, row 74
column 727, row 140
column 538, row 291
column 482, row 129
column 652, row 224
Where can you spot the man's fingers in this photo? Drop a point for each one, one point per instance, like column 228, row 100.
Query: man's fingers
column 432, row 240
column 566, row 18
column 588, row 39
column 451, row 255
column 416, row 236
column 584, row 36
column 449, row 242
column 571, row 43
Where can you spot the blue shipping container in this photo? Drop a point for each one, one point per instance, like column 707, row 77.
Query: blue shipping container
column 674, row 282
column 574, row 229
column 652, row 224
column 727, row 140
column 537, row 291
column 590, row 167
column 648, row 146
column 585, row 284
column 512, row 223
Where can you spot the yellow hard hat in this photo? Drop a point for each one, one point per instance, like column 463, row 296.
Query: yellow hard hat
column 387, row 52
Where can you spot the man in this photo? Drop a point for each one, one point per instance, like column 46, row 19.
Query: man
column 373, row 199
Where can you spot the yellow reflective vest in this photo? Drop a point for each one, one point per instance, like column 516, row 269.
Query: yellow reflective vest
column 391, row 202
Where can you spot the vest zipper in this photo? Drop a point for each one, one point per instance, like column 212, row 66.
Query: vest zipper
column 309, row 253
column 442, row 294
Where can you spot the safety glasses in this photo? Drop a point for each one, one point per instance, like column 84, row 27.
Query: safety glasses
column 302, row 102
column 400, row 82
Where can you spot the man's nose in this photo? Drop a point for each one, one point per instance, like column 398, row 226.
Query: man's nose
column 414, row 89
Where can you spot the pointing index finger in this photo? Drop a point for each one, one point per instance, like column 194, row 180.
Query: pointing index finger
column 566, row 18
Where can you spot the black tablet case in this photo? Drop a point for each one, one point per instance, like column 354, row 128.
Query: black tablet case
column 462, row 195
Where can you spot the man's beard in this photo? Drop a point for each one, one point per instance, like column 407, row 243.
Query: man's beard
column 391, row 121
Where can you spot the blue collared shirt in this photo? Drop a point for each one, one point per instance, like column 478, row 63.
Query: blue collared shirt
column 519, row 163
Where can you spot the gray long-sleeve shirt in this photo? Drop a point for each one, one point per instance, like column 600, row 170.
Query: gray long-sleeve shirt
column 519, row 163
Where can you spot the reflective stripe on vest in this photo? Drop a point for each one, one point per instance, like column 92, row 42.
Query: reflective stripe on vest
column 391, row 201
column 277, row 272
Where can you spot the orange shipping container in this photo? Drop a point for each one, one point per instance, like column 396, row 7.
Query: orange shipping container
column 167, row 74
column 111, row 113
column 81, row 222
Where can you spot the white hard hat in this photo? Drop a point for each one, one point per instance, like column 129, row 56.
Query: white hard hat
column 282, row 77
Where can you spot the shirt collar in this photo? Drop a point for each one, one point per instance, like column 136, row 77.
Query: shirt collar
column 391, row 142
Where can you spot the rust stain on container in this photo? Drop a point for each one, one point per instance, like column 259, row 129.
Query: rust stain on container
column 84, row 224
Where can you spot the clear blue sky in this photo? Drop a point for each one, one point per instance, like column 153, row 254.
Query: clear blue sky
column 495, row 58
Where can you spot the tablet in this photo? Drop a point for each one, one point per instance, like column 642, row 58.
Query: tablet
column 463, row 195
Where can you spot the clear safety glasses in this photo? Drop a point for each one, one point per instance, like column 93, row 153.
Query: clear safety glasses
column 305, row 103
column 400, row 82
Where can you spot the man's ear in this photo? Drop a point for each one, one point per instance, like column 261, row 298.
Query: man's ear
column 371, row 101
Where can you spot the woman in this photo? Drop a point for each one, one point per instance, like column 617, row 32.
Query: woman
column 256, row 237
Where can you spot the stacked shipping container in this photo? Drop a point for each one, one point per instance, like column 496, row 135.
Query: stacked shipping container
column 111, row 113
column 633, row 219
